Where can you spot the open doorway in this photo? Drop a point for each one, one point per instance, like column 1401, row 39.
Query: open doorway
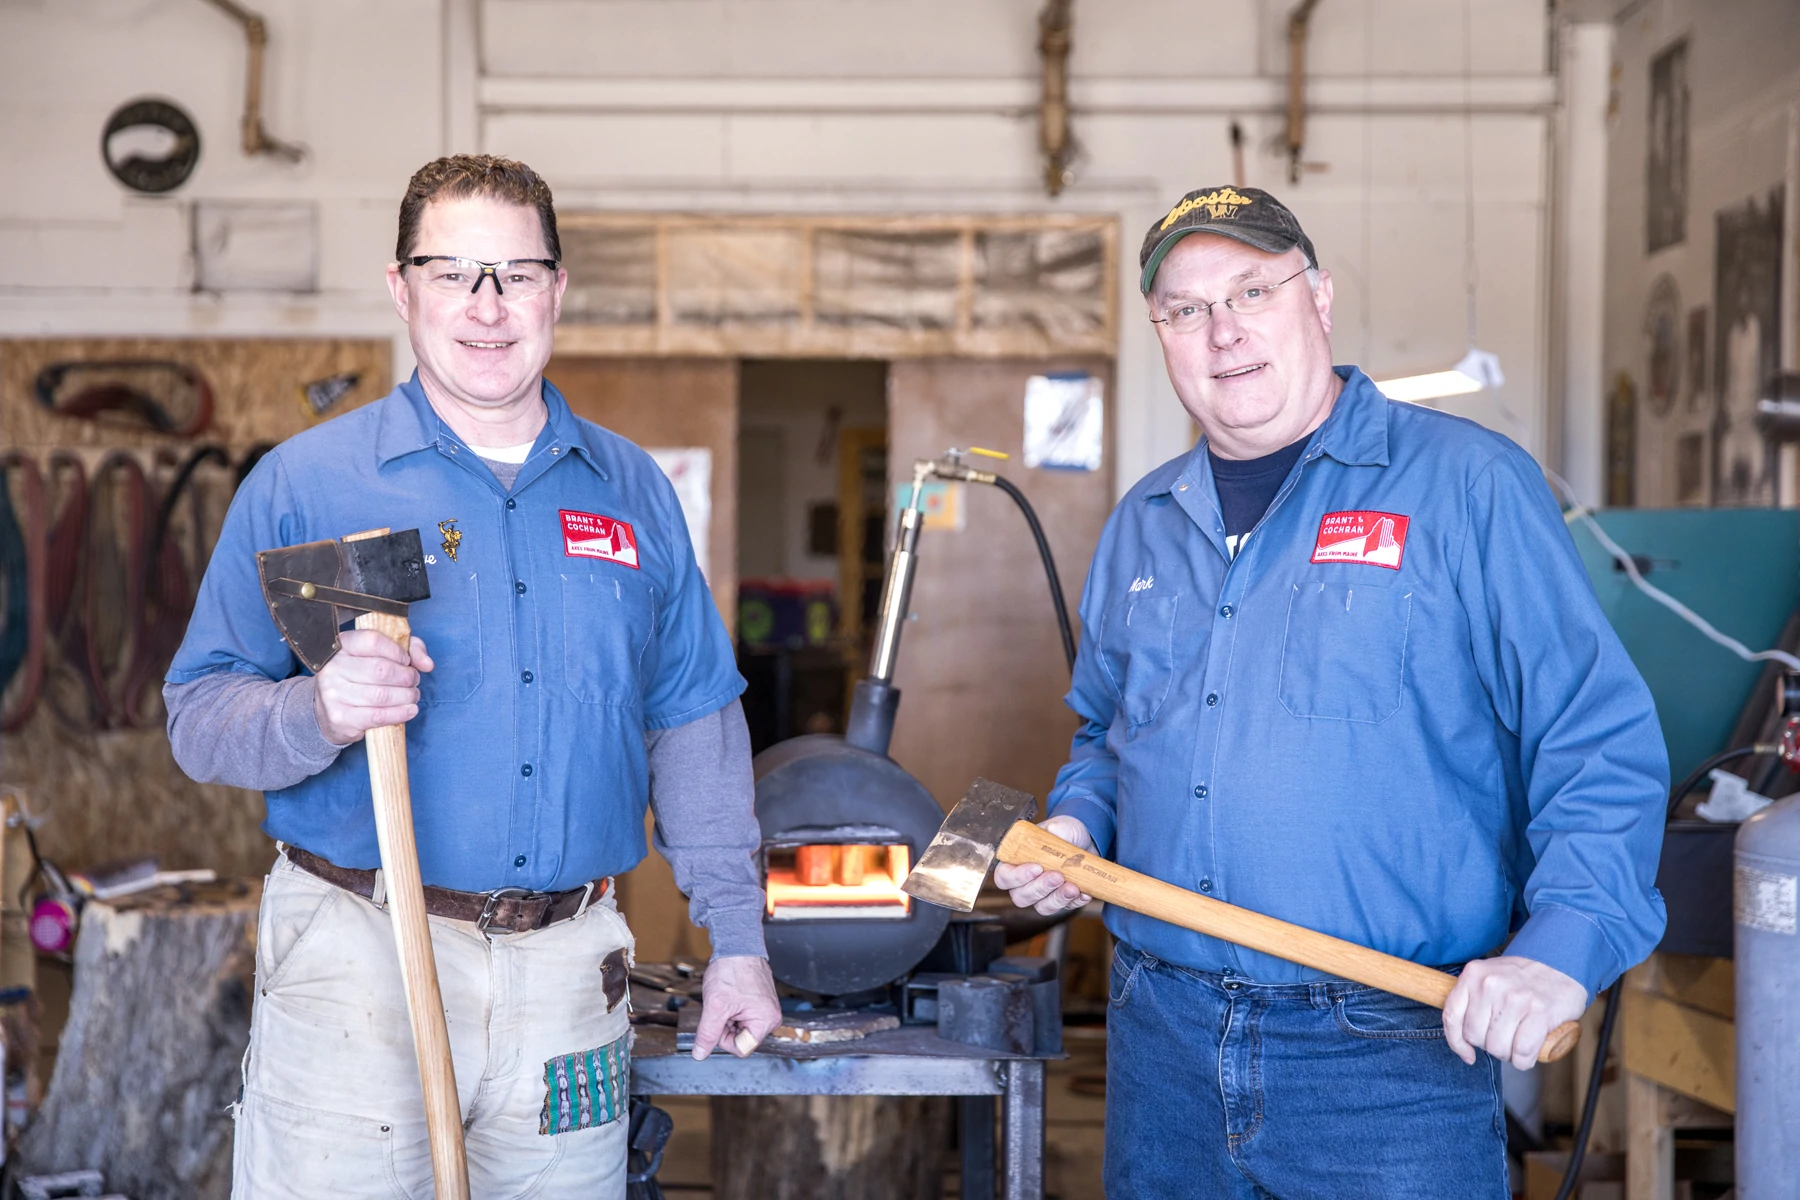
column 811, row 502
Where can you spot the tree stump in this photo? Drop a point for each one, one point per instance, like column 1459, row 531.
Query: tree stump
column 148, row 1065
column 829, row 1147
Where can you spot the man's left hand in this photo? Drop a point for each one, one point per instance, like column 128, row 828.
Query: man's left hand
column 737, row 994
column 1508, row 1006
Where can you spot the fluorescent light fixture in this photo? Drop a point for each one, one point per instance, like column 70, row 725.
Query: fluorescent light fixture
column 1477, row 371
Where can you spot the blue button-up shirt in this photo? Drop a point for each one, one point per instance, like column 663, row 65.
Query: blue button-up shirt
column 556, row 643
column 1398, row 716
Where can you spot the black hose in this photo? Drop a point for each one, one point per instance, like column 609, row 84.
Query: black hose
column 1700, row 772
column 1579, row 1152
column 1043, row 545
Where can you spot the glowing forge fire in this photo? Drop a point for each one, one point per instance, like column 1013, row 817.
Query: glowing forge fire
column 838, row 882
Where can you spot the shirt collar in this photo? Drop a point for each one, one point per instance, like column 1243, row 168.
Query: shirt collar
column 1356, row 434
column 411, row 424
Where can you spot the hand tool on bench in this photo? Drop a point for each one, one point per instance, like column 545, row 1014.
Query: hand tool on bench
column 994, row 822
column 308, row 589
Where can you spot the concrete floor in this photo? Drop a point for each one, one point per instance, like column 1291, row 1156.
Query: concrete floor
column 1074, row 1126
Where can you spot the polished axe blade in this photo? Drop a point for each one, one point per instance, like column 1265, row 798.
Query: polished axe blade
column 309, row 587
column 951, row 870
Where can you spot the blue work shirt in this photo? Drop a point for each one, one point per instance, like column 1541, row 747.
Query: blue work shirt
column 558, row 638
column 1397, row 717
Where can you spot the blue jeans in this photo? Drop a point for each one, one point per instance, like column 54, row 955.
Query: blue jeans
column 1217, row 1086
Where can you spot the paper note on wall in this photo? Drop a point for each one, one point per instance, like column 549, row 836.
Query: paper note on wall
column 941, row 502
column 689, row 468
column 1064, row 421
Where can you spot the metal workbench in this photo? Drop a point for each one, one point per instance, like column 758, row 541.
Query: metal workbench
column 909, row 1061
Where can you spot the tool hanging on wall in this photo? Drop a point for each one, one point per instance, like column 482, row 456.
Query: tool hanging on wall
column 157, row 394
column 25, row 547
column 256, row 138
column 1298, row 29
column 1055, row 142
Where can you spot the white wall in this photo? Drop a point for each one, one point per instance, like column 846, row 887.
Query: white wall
column 1744, row 85
column 801, row 105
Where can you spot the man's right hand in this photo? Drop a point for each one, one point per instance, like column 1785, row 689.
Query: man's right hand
column 1033, row 887
column 368, row 683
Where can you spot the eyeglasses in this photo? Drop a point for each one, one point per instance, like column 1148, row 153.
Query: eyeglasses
column 1190, row 315
column 516, row 278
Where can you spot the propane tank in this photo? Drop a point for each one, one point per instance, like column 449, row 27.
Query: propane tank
column 1766, row 895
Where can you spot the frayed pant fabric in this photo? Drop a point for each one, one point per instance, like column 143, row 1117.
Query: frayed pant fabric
column 332, row 1105
column 1224, row 1089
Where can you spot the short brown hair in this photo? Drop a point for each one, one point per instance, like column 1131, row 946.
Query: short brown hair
column 463, row 176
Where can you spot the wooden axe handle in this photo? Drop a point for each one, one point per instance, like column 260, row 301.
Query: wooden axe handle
column 1105, row 880
column 412, row 936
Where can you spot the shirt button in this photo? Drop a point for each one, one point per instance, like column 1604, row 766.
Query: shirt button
column 526, row 676
column 1223, row 612
column 519, row 586
column 511, row 503
column 519, row 861
column 1200, row 791
column 1206, row 885
column 1212, row 698
column 525, row 770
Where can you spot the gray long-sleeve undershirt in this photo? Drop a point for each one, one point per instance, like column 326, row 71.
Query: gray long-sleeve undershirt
column 244, row 730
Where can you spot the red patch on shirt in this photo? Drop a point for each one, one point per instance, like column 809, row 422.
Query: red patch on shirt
column 1376, row 538
column 589, row 535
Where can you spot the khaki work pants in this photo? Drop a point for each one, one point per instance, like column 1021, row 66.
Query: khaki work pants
column 332, row 1105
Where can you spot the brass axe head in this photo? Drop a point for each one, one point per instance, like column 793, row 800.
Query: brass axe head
column 309, row 587
column 951, row 870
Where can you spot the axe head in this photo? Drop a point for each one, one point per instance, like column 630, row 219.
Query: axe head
column 310, row 587
column 951, row 870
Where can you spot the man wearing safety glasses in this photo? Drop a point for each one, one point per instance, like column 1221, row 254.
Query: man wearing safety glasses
column 576, row 670
column 1340, row 664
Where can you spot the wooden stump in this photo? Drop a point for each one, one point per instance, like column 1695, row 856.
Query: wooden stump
column 148, row 1064
column 829, row 1147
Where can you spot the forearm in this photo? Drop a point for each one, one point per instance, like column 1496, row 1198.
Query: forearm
column 703, row 793
column 241, row 729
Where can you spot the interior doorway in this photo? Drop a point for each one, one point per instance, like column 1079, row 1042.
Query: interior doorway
column 812, row 504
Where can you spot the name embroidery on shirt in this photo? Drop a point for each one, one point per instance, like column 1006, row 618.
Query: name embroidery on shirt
column 1142, row 583
column 1362, row 536
column 590, row 535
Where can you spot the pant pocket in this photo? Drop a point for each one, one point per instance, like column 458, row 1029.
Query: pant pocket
column 1378, row 1014
column 286, row 1150
column 587, row 1089
column 294, row 908
column 1126, row 965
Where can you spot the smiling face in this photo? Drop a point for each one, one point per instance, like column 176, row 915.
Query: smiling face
column 1253, row 383
column 481, row 356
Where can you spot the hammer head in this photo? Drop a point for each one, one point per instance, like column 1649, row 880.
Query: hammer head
column 951, row 870
column 310, row 587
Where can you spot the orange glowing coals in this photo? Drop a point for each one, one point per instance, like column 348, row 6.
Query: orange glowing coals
column 841, row 882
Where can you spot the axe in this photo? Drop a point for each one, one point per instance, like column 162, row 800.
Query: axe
column 309, row 588
column 993, row 821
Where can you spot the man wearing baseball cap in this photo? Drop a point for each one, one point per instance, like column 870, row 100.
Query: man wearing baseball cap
column 1340, row 664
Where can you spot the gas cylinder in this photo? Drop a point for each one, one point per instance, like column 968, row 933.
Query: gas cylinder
column 1766, row 903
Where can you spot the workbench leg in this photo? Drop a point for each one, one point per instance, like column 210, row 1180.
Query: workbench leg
column 1649, row 1142
column 975, row 1133
column 1022, row 1117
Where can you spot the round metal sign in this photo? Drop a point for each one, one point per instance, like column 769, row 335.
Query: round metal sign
column 150, row 146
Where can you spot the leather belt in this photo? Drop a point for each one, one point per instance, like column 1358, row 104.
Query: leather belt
column 510, row 910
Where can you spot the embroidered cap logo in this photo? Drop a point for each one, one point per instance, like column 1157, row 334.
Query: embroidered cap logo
column 1221, row 205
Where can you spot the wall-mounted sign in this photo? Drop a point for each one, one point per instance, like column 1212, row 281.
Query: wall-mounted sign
column 689, row 468
column 150, row 146
column 1065, row 421
column 941, row 502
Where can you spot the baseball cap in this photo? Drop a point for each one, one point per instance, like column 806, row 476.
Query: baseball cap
column 1249, row 215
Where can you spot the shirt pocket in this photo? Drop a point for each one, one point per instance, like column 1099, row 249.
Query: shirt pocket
column 1343, row 655
column 607, row 624
column 453, row 638
column 1137, row 652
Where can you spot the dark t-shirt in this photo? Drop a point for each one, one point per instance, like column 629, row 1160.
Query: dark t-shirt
column 1247, row 487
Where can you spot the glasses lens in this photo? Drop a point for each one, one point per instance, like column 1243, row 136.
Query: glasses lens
column 518, row 280
column 1185, row 318
column 1254, row 298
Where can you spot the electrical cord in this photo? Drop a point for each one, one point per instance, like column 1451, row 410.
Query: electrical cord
column 1043, row 545
column 1710, row 765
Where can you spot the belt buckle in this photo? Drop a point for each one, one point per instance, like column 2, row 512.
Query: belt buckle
column 493, row 902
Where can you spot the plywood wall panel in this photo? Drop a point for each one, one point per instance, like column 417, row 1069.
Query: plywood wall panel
column 981, row 667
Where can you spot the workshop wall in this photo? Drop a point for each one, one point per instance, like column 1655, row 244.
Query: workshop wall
column 810, row 106
column 94, row 761
column 1703, row 166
